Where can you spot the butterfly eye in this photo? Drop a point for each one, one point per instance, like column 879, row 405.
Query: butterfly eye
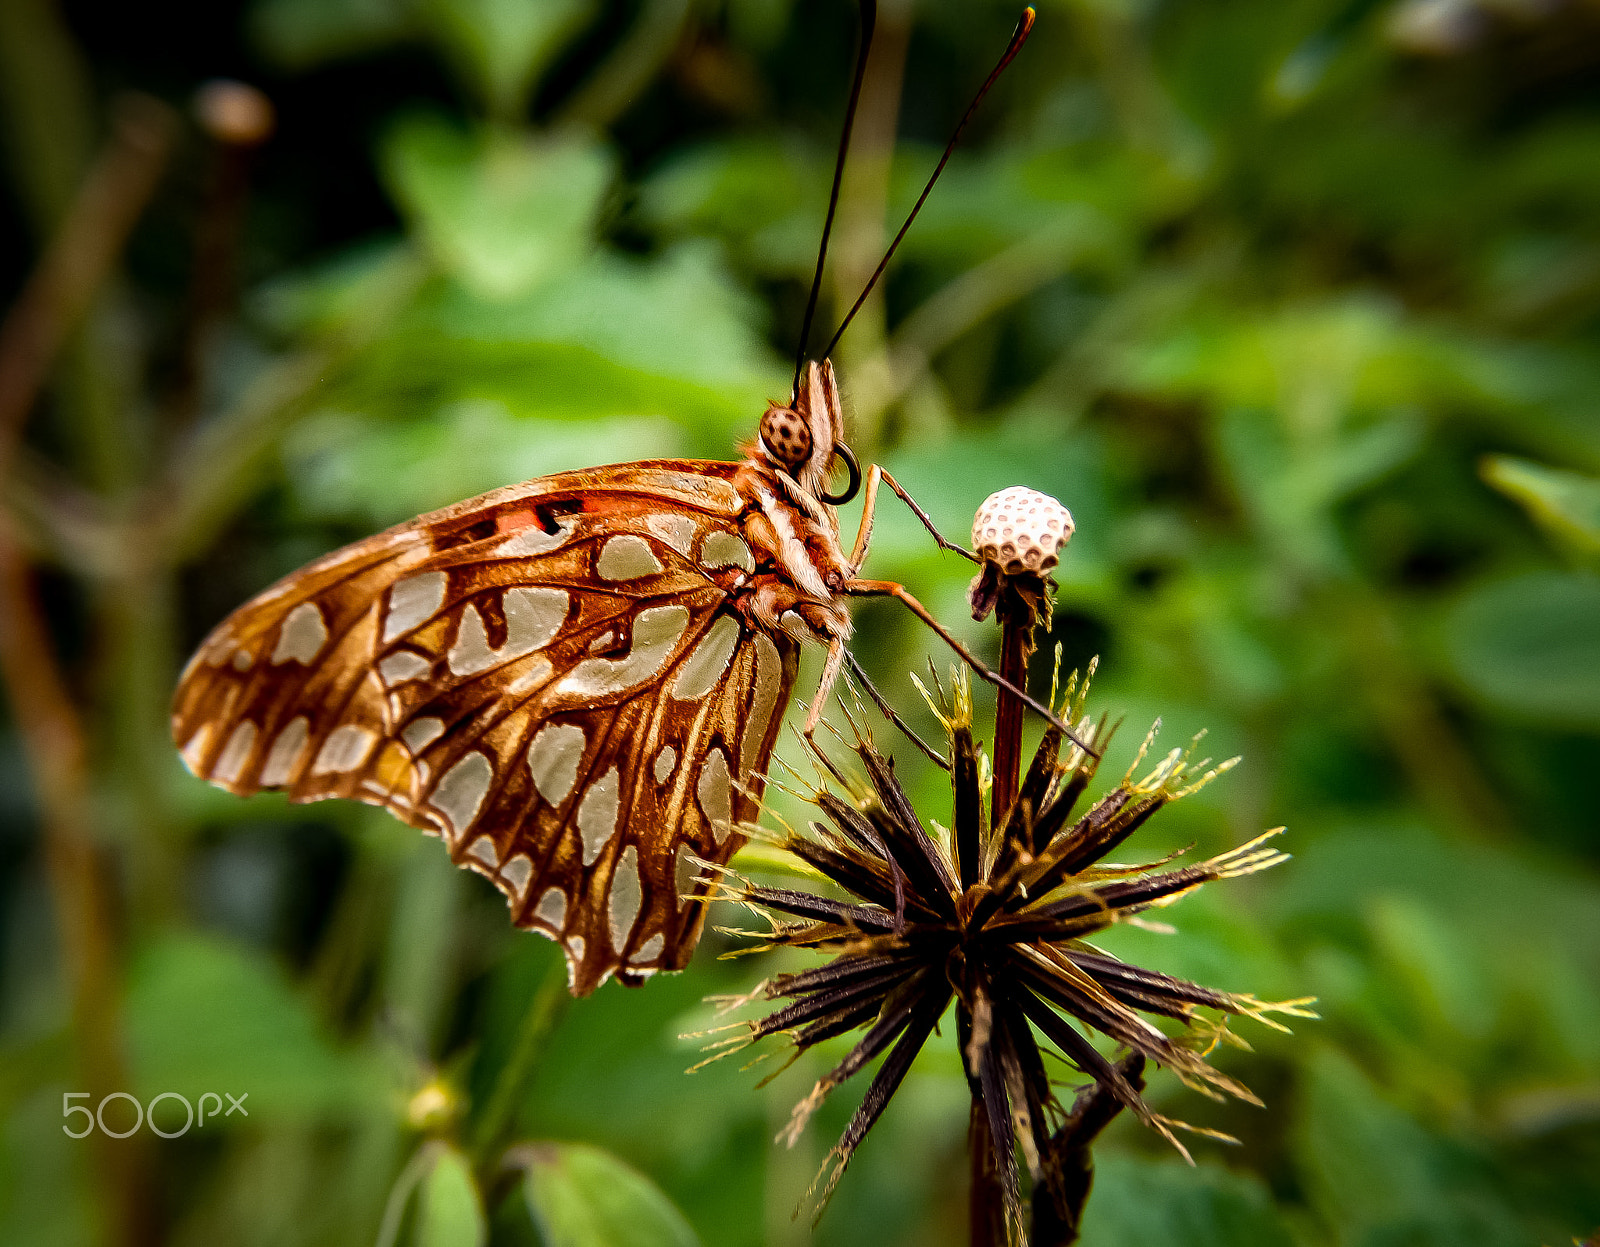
column 786, row 437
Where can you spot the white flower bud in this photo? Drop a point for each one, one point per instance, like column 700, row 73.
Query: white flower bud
column 1021, row 530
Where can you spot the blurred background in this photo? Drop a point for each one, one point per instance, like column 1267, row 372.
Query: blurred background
column 1294, row 303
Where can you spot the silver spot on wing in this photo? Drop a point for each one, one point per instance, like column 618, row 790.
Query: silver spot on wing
column 553, row 758
column 533, row 617
column 532, row 540
column 704, row 667
column 627, row 558
column 403, row 665
column 723, row 549
column 516, row 874
column 684, row 870
column 552, row 908
column 597, row 815
column 715, row 792
column 235, row 753
column 194, row 749
column 769, row 682
column 656, row 630
column 648, row 951
column 420, row 733
column 411, row 602
column 627, row 895
column 676, row 531
column 304, row 632
column 346, row 748
column 284, row 756
column 461, row 790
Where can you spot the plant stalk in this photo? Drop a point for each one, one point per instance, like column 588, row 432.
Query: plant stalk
column 986, row 1208
column 1017, row 614
column 56, row 299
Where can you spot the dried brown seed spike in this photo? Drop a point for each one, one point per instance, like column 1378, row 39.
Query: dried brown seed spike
column 1021, row 530
column 234, row 112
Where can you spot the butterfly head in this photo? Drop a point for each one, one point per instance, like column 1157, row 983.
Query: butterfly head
column 804, row 438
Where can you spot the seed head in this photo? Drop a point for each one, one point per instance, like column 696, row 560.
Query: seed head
column 1021, row 530
column 996, row 915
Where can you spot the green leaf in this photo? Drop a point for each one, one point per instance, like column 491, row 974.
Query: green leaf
column 205, row 1016
column 677, row 316
column 1292, row 484
column 303, row 33
column 1378, row 1175
column 451, row 1213
column 501, row 211
column 581, row 1196
column 1167, row 1202
column 499, row 46
column 47, row 1193
column 1531, row 645
column 1566, row 503
column 338, row 296
column 341, row 466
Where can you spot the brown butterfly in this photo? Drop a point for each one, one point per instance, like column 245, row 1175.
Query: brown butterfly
column 576, row 682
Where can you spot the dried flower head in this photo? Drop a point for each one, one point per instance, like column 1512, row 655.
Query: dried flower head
column 998, row 920
column 1018, row 535
column 1021, row 530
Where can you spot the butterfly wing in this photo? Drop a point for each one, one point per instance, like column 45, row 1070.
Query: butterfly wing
column 551, row 677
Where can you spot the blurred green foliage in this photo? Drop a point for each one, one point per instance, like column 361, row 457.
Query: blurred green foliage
column 1296, row 305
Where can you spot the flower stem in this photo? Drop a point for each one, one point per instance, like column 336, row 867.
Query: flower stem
column 986, row 1210
column 1017, row 615
column 544, row 1012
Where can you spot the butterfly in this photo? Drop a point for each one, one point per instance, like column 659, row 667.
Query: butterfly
column 576, row 682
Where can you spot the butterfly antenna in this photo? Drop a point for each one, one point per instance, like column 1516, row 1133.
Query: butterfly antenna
column 1018, row 38
column 869, row 21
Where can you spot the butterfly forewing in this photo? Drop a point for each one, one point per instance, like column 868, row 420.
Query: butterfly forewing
column 551, row 677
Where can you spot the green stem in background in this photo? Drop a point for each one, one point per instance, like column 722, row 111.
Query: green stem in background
column 510, row 1084
column 136, row 602
column 1406, row 708
column 80, row 257
column 394, row 1209
column 618, row 83
column 73, row 269
column 47, row 110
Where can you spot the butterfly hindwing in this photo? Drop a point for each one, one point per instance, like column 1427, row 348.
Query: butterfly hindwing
column 596, row 832
column 511, row 673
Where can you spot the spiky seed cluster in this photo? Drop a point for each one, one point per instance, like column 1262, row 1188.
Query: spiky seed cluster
column 998, row 920
column 1021, row 530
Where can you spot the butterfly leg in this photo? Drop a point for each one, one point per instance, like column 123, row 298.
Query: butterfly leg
column 831, row 667
column 869, row 500
column 892, row 715
column 889, row 588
